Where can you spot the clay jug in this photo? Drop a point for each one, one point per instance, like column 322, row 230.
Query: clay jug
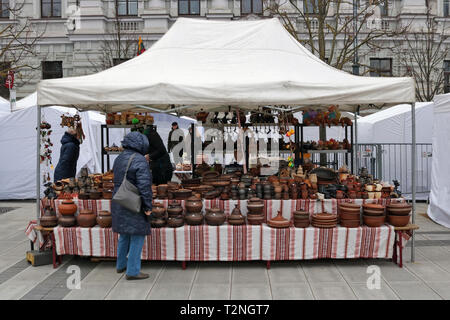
column 86, row 218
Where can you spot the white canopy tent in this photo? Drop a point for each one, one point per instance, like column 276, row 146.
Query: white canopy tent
column 439, row 208
column 217, row 64
column 5, row 108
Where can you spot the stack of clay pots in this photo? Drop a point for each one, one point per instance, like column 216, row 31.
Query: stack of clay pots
column 194, row 214
column 86, row 218
column 373, row 215
column 301, row 219
column 162, row 191
column 159, row 215
column 324, row 220
column 104, row 219
column 350, row 215
column 236, row 217
column 255, row 211
column 278, row 222
column 215, row 216
column 67, row 211
column 398, row 214
column 175, row 217
column 107, row 189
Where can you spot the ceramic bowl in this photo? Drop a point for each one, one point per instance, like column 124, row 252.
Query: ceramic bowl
column 369, row 212
column 350, row 216
column 350, row 223
column 175, row 221
column 194, row 219
column 301, row 224
column 373, row 221
column 398, row 221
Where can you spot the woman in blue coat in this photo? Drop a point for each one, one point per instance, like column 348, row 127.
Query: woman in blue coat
column 132, row 227
column 70, row 151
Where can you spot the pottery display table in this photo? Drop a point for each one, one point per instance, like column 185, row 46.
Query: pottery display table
column 235, row 243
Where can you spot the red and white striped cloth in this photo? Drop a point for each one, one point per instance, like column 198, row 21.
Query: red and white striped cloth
column 335, row 243
column 235, row 243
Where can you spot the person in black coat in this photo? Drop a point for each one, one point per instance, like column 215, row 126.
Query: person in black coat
column 132, row 227
column 70, row 151
column 160, row 164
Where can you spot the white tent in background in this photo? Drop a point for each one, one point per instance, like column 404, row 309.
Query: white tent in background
column 439, row 208
column 28, row 101
column 393, row 125
column 5, row 108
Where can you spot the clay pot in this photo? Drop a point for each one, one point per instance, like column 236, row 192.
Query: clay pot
column 174, row 210
column 107, row 194
column 278, row 221
column 373, row 221
column 49, row 218
column 255, row 206
column 201, row 116
column 398, row 221
column 236, row 218
column 301, row 223
column 95, row 195
column 182, row 194
column 108, row 185
column 162, row 189
column 158, row 211
column 86, row 218
column 224, row 196
column 158, row 222
column 84, row 196
column 255, row 219
column 350, row 216
column 339, row 194
column 350, row 223
column 215, row 217
column 67, row 208
column 175, row 221
column 300, row 214
column 194, row 205
column 194, row 218
column 104, row 219
column 67, row 221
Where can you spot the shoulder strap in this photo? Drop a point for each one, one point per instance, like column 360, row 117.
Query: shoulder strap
column 128, row 166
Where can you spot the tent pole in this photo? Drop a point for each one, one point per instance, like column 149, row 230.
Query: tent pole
column 356, row 167
column 413, row 174
column 38, row 161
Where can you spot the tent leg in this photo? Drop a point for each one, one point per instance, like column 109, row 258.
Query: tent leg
column 356, row 167
column 413, row 175
column 38, row 162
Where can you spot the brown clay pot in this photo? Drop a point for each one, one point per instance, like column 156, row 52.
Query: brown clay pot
column 373, row 221
column 350, row 216
column 255, row 206
column 182, row 194
column 95, row 195
column 236, row 217
column 193, row 219
column 49, row 218
column 175, row 221
column 398, row 221
column 67, row 208
column 86, row 218
column 162, row 189
column 107, row 194
column 193, row 205
column 174, row 210
column 350, row 223
column 104, row 219
column 301, row 223
column 158, row 223
column 67, row 221
column 255, row 219
column 215, row 217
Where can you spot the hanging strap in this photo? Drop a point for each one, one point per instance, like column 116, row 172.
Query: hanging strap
column 128, row 166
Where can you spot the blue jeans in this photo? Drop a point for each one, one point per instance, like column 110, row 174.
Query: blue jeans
column 131, row 246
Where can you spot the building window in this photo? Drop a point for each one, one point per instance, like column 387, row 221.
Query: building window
column 251, row 7
column 127, row 7
column 52, row 69
column 4, row 68
column 446, row 76
column 383, row 5
column 51, row 8
column 380, row 67
column 310, row 6
column 189, row 7
column 446, row 8
column 4, row 8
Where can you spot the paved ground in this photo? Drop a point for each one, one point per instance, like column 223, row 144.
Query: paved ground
column 427, row 278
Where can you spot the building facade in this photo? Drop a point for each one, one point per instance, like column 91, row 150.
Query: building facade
column 79, row 37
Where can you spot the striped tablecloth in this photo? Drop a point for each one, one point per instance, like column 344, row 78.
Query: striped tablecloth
column 235, row 243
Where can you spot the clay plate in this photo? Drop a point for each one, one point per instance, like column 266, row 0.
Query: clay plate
column 373, row 212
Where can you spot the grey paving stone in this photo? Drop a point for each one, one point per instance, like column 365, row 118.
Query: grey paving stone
column 442, row 288
column 168, row 291
column 428, row 271
column 250, row 292
column 175, row 275
column 353, row 272
column 286, row 273
column 322, row 272
column 210, row 292
column 297, row 291
column 13, row 270
column 392, row 272
column 413, row 291
column 364, row 293
column 249, row 275
column 214, row 274
column 332, row 291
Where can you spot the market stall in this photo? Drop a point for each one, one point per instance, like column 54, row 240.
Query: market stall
column 245, row 65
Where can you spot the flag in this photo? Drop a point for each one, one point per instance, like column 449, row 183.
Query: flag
column 141, row 47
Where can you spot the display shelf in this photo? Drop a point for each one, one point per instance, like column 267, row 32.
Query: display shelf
column 329, row 151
